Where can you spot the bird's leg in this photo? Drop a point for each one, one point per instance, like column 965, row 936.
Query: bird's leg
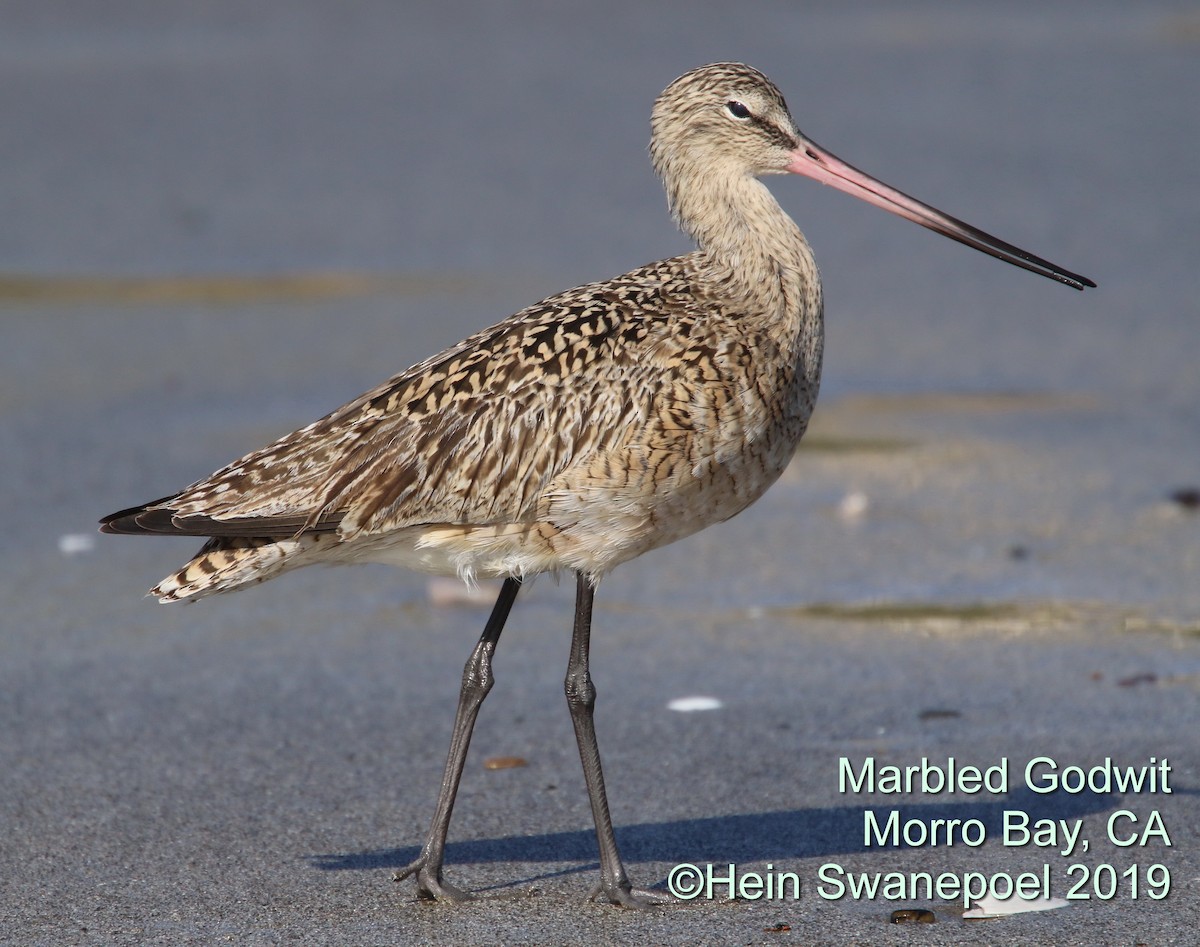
column 476, row 682
column 581, row 699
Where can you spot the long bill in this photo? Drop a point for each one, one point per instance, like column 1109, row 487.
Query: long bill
column 813, row 161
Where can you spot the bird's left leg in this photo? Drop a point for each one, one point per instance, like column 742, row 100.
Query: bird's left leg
column 476, row 682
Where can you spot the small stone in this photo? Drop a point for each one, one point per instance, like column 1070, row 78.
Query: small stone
column 1187, row 497
column 505, row 762
column 913, row 916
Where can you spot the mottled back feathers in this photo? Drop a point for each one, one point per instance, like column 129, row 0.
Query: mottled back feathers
column 577, row 433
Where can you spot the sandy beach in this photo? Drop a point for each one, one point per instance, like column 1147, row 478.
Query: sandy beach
column 223, row 220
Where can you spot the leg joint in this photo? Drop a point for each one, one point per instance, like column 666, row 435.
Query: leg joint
column 477, row 677
column 580, row 690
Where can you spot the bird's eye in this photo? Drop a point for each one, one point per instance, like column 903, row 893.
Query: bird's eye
column 737, row 109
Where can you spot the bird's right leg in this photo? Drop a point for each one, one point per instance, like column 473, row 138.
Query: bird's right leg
column 581, row 700
column 477, row 681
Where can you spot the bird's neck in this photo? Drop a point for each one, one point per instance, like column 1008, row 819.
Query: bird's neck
column 762, row 271
column 759, row 260
column 751, row 245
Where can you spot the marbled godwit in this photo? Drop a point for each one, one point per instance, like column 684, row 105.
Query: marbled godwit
column 577, row 434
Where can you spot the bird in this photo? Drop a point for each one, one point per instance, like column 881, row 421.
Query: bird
column 577, row 434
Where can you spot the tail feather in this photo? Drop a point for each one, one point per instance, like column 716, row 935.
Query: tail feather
column 224, row 564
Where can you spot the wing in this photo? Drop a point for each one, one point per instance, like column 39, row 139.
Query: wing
column 470, row 436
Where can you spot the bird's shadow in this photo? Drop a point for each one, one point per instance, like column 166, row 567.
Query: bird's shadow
column 763, row 836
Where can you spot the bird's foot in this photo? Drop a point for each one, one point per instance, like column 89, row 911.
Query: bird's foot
column 430, row 886
column 626, row 896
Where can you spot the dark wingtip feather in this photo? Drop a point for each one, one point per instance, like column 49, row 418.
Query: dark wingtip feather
column 158, row 517
column 141, row 519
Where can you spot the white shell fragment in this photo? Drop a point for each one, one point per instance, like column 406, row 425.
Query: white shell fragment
column 854, row 506
column 988, row 906
column 73, row 544
column 441, row 590
column 686, row 705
